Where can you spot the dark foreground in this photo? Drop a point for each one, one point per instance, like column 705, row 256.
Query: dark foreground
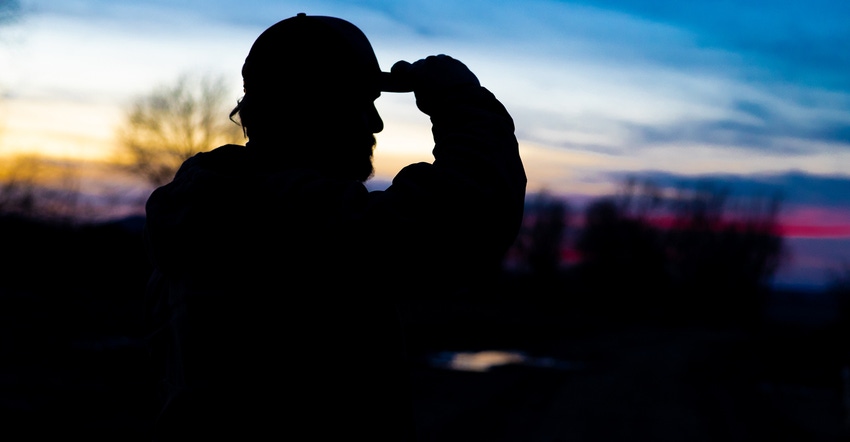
column 612, row 383
column 73, row 363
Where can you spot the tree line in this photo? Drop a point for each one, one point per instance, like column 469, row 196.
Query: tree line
column 687, row 252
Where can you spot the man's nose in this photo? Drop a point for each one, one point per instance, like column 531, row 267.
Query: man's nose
column 373, row 119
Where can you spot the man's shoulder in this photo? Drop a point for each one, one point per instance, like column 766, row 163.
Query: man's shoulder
column 210, row 172
column 226, row 155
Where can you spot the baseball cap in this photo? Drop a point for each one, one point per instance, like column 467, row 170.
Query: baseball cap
column 314, row 53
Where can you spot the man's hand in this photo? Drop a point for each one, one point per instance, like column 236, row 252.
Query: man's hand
column 434, row 73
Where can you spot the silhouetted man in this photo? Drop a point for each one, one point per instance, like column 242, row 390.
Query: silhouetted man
column 278, row 274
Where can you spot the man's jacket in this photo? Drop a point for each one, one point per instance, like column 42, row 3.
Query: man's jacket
column 274, row 298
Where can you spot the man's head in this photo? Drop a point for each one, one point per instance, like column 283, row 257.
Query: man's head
column 318, row 53
column 310, row 83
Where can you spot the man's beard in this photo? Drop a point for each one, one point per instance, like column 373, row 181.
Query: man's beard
column 339, row 150
column 353, row 157
column 369, row 171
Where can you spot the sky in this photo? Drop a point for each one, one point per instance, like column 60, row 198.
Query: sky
column 754, row 93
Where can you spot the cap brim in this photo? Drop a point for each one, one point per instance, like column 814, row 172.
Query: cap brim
column 390, row 83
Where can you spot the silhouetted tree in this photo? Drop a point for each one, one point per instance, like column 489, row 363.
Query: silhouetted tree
column 174, row 122
column 16, row 188
column 32, row 186
column 690, row 246
column 546, row 235
column 723, row 255
column 623, row 266
column 839, row 288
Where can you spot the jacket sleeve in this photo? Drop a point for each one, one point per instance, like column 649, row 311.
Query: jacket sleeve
column 466, row 206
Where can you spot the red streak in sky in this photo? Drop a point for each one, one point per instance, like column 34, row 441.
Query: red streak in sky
column 815, row 231
column 815, row 222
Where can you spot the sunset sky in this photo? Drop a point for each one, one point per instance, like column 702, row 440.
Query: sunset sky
column 755, row 93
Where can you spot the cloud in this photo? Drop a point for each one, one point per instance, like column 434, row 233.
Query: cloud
column 609, row 76
column 795, row 187
column 675, row 112
column 762, row 76
column 786, row 41
column 749, row 125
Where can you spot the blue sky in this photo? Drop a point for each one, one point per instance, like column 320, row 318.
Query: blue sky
column 756, row 93
column 764, row 82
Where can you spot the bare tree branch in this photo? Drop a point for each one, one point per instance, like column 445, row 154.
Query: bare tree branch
column 174, row 122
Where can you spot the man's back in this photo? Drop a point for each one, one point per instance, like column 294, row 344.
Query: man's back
column 266, row 304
